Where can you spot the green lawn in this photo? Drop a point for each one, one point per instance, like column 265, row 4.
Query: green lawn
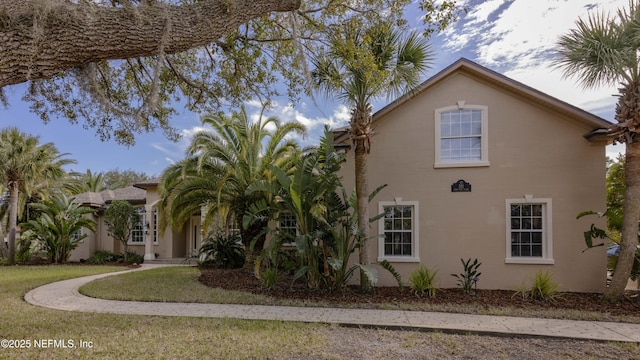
column 134, row 337
column 180, row 284
column 155, row 337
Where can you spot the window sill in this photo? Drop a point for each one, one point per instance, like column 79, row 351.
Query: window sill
column 538, row 261
column 400, row 259
column 461, row 164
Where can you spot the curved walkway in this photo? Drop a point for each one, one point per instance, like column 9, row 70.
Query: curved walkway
column 64, row 295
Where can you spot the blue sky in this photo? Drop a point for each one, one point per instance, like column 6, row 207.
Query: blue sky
column 516, row 38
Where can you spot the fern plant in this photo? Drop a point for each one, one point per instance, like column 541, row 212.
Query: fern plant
column 470, row 275
column 423, row 282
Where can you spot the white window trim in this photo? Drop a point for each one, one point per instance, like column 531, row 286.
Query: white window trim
column 484, row 139
column 415, row 258
column 547, row 241
column 144, row 219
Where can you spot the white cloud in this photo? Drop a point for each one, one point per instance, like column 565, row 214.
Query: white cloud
column 518, row 39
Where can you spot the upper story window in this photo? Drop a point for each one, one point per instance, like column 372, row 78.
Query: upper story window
column 399, row 228
column 529, row 233
column 461, row 136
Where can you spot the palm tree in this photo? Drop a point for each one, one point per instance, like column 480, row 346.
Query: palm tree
column 362, row 64
column 24, row 166
column 87, row 182
column 186, row 188
column 56, row 227
column 602, row 50
column 221, row 164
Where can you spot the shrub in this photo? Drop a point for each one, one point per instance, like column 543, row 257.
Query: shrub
column 133, row 258
column 107, row 257
column 269, row 277
column 470, row 275
column 104, row 257
column 423, row 282
column 30, row 249
column 522, row 291
column 222, row 251
column 542, row 288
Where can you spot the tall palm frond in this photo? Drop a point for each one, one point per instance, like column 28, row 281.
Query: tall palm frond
column 222, row 163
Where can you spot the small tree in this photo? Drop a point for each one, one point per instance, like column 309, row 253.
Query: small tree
column 120, row 219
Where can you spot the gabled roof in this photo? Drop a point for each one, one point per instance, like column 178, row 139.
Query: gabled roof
column 500, row 81
column 131, row 194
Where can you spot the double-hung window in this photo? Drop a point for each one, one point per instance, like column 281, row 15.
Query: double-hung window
column 461, row 136
column 399, row 230
column 529, row 233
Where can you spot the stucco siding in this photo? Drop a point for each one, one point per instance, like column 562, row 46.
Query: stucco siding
column 531, row 150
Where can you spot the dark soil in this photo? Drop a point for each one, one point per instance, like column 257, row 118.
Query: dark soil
column 244, row 280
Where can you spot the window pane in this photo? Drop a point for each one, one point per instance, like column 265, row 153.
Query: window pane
column 398, row 227
column 536, row 238
column 536, row 210
column 527, row 230
column 537, row 223
column 465, row 128
column 388, row 224
column 515, row 210
column 406, row 249
column 461, row 135
column 536, row 250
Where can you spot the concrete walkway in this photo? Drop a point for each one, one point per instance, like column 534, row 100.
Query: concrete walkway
column 64, row 295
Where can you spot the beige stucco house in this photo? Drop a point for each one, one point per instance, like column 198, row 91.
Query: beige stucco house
column 145, row 238
column 481, row 166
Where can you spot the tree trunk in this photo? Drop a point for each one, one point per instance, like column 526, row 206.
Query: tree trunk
column 13, row 220
column 42, row 38
column 360, row 132
column 362, row 193
column 629, row 238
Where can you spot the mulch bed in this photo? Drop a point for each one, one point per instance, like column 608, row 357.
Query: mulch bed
column 244, row 280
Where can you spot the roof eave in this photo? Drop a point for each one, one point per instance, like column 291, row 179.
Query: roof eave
column 470, row 67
